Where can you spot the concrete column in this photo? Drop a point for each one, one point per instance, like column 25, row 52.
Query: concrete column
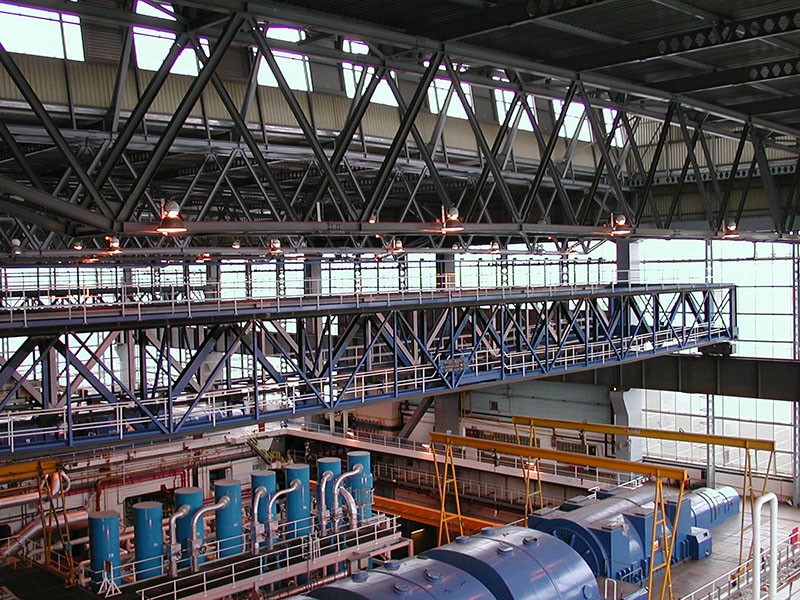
column 627, row 407
column 627, row 261
column 446, row 410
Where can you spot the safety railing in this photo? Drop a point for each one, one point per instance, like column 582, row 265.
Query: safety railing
column 268, row 565
column 124, row 419
column 733, row 583
column 27, row 292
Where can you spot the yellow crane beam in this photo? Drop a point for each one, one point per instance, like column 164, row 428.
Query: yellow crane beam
column 659, row 434
column 570, row 458
column 22, row 471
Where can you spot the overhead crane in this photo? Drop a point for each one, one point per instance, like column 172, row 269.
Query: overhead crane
column 659, row 473
column 747, row 444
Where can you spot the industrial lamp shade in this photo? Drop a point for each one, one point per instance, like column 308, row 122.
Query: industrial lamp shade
column 171, row 222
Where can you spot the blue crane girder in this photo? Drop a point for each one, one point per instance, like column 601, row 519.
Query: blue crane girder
column 218, row 364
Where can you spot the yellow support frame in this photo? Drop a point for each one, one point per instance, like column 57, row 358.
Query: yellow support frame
column 659, row 473
column 747, row 444
column 531, row 471
column 447, row 520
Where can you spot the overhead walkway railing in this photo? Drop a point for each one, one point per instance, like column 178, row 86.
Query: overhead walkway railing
column 662, row 532
column 750, row 445
column 128, row 378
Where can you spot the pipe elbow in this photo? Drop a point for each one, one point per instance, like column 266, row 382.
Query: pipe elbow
column 350, row 502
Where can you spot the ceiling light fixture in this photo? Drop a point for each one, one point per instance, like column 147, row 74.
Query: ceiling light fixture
column 236, row 244
column 396, row 247
column 730, row 230
column 171, row 221
column 113, row 244
column 275, row 246
column 494, row 247
column 16, row 247
column 619, row 225
column 450, row 221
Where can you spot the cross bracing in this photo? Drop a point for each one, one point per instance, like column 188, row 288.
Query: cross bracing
column 137, row 363
column 79, row 168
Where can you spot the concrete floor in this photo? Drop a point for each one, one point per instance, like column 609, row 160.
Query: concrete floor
column 691, row 575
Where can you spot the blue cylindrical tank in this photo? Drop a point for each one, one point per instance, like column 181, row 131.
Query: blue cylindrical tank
column 419, row 577
column 149, row 539
column 298, row 502
column 229, row 519
column 519, row 564
column 269, row 481
column 104, row 544
column 334, row 465
column 361, row 485
column 192, row 497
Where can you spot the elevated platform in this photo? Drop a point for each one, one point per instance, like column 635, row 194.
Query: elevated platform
column 132, row 372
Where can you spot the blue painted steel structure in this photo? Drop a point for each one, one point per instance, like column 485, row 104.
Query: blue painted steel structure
column 123, row 373
column 149, row 539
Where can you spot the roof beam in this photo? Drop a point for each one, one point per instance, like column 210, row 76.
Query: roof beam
column 715, row 35
column 24, row 195
column 501, row 16
column 735, row 76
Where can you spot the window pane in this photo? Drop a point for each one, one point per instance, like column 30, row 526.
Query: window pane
column 152, row 46
column 437, row 94
column 573, row 120
column 503, row 100
column 40, row 32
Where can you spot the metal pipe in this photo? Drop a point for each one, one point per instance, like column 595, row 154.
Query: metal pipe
column 336, row 487
column 272, row 523
column 258, row 496
column 351, row 506
column 323, row 507
column 773, row 545
column 174, row 546
column 56, row 480
column 78, row 518
column 198, row 516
